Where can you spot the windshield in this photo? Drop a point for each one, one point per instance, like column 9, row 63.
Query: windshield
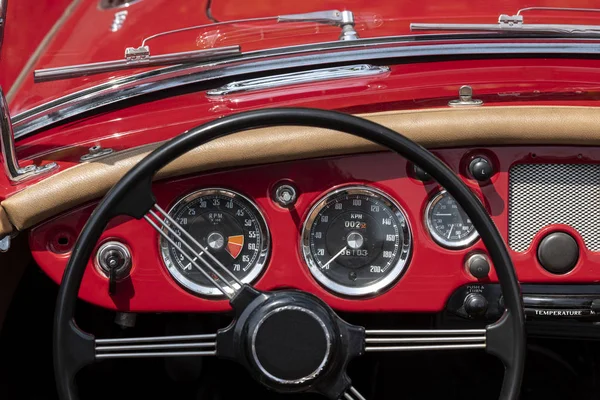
column 91, row 34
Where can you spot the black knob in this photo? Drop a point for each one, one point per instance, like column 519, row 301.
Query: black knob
column 478, row 266
column 481, row 169
column 558, row 252
column 420, row 174
column 475, row 304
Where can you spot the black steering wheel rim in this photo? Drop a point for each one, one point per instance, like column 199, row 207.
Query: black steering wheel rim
column 120, row 201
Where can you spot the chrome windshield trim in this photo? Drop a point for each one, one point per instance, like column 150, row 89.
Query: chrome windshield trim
column 295, row 78
column 278, row 61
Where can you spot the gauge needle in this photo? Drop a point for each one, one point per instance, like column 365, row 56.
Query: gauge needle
column 189, row 266
column 450, row 233
column 443, row 215
column 334, row 257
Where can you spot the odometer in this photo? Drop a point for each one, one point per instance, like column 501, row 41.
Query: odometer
column 226, row 224
column 448, row 224
column 356, row 241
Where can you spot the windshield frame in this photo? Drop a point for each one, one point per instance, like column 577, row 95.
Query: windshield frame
column 286, row 59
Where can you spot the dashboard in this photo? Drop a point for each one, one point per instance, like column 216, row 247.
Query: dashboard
column 367, row 232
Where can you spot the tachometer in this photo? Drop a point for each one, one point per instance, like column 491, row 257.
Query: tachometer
column 229, row 226
column 447, row 223
column 356, row 241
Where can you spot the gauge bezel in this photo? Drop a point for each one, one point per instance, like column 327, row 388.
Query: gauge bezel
column 377, row 287
column 442, row 241
column 254, row 272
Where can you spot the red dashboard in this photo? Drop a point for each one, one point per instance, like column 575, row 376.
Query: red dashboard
column 432, row 274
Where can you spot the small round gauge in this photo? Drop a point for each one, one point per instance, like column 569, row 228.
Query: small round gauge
column 229, row 226
column 448, row 224
column 356, row 241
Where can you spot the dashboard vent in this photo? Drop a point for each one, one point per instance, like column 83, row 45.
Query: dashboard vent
column 544, row 194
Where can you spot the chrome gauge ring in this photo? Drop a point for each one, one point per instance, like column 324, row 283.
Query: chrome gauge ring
column 356, row 241
column 229, row 226
column 448, row 224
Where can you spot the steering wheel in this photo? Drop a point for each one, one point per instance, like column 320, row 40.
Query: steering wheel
column 313, row 356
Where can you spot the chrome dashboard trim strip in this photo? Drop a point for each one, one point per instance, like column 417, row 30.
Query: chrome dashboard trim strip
column 296, row 78
column 339, row 52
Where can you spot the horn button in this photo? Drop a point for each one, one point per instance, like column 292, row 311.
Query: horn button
column 291, row 344
column 291, row 341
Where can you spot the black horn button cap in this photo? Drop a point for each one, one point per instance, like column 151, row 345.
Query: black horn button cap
column 558, row 252
column 291, row 345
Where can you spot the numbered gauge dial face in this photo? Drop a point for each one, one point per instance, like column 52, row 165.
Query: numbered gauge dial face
column 228, row 226
column 447, row 223
column 356, row 241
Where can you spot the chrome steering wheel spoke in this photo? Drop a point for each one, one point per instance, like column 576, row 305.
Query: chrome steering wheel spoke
column 194, row 252
column 352, row 394
column 159, row 346
column 426, row 340
column 85, row 349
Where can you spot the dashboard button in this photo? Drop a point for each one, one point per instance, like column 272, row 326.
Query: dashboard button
column 558, row 252
column 478, row 266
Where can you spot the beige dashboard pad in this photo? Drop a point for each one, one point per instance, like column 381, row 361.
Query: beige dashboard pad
column 433, row 128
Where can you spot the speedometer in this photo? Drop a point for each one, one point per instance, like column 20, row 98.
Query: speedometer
column 356, row 241
column 229, row 226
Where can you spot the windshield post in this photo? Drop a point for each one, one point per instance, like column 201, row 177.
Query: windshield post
column 15, row 172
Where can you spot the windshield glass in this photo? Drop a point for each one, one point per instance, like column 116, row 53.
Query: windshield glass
column 89, row 34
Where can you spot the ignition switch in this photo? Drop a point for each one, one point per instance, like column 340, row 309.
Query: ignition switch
column 113, row 259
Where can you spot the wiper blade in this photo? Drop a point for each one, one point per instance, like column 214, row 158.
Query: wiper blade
column 139, row 57
column 515, row 24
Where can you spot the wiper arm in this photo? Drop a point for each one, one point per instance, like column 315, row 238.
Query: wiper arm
column 131, row 62
column 515, row 24
column 139, row 57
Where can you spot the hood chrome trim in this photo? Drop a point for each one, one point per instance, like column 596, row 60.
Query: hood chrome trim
column 273, row 61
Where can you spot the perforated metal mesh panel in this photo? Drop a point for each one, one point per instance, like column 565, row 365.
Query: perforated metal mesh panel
column 544, row 194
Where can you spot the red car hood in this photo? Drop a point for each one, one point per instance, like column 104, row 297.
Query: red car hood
column 88, row 34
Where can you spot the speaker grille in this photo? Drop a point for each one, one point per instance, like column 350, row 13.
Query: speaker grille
column 545, row 194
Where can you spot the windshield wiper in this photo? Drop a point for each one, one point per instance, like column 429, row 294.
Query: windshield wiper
column 134, row 61
column 139, row 57
column 515, row 24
